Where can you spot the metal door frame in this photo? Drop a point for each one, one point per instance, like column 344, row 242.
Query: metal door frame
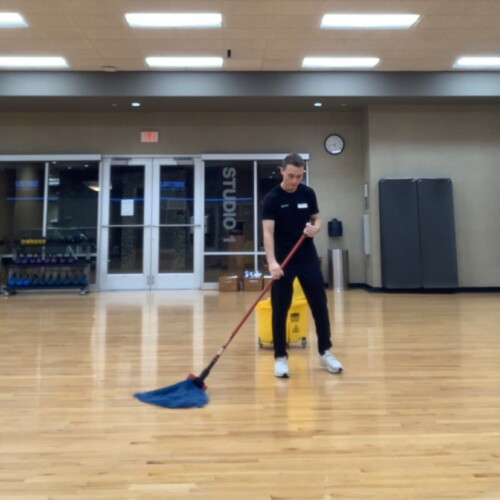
column 149, row 278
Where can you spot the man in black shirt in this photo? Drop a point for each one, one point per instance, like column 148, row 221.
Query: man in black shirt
column 289, row 210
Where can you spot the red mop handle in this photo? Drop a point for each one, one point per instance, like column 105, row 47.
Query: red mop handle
column 266, row 289
column 206, row 371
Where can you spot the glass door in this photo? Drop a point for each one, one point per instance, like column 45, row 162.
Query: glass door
column 150, row 231
column 176, row 233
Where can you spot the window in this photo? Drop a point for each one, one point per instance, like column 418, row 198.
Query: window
column 66, row 213
column 234, row 190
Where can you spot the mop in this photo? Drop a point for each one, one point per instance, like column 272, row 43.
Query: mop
column 192, row 391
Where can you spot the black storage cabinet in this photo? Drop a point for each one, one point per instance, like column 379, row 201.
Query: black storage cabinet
column 417, row 234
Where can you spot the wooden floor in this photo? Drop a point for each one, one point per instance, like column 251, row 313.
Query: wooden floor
column 416, row 413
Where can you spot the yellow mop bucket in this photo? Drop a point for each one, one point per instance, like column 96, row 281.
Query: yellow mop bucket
column 296, row 323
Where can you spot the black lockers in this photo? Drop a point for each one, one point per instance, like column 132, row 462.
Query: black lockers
column 417, row 234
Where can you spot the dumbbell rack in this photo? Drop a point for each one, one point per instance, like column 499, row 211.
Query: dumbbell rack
column 39, row 265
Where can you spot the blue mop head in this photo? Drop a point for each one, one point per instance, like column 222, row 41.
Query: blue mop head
column 185, row 394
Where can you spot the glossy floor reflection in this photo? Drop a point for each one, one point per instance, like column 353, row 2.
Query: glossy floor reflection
column 415, row 413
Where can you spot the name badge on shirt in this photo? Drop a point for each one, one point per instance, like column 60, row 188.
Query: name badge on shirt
column 301, row 205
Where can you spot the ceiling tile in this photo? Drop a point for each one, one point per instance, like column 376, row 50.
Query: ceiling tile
column 464, row 8
column 243, row 64
column 107, row 33
column 27, row 7
column 126, row 64
column 243, row 7
column 48, row 20
column 298, row 7
column 89, row 6
column 120, row 54
column 14, row 34
column 129, row 44
column 170, row 46
column 271, row 35
column 60, row 33
column 269, row 22
column 246, row 54
column 34, row 46
column 280, row 65
column 351, row 46
column 98, row 21
column 87, row 63
column 241, row 45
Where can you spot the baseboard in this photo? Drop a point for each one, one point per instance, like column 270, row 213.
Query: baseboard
column 464, row 289
column 482, row 289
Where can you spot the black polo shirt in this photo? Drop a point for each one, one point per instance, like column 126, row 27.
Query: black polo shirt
column 290, row 213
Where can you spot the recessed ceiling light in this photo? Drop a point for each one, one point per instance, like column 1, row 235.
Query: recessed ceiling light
column 32, row 62
column 340, row 62
column 185, row 62
column 135, row 104
column 369, row 21
column 478, row 62
column 12, row 20
column 318, row 104
column 174, row 20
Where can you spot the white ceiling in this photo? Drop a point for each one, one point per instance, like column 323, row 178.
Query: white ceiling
column 263, row 35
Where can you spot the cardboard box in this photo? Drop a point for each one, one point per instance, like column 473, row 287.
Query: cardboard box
column 252, row 284
column 229, row 283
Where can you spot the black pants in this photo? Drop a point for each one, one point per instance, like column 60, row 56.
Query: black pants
column 311, row 280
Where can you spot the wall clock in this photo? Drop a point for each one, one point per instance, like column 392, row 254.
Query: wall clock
column 334, row 144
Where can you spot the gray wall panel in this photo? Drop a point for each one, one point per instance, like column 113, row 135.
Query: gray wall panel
column 399, row 234
column 437, row 233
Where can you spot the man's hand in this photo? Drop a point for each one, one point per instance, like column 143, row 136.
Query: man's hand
column 310, row 230
column 275, row 270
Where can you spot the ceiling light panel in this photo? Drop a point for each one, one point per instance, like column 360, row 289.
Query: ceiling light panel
column 174, row 20
column 12, row 20
column 368, row 21
column 185, row 62
column 478, row 62
column 340, row 62
column 32, row 62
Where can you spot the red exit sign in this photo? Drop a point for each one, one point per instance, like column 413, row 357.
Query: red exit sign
column 149, row 136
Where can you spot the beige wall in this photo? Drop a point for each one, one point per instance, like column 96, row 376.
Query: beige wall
column 459, row 142
column 367, row 259
column 337, row 180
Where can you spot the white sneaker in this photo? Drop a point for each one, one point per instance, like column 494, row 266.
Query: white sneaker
column 330, row 362
column 281, row 367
